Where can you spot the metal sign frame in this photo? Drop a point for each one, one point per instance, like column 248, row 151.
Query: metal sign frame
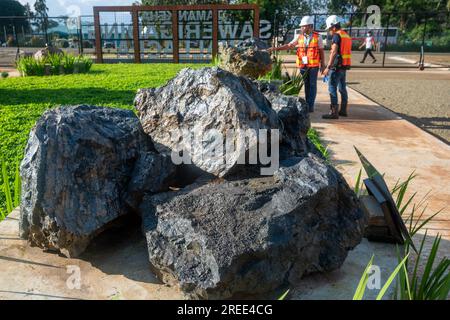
column 134, row 10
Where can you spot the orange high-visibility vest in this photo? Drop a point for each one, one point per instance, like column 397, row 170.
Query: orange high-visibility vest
column 312, row 51
column 345, row 48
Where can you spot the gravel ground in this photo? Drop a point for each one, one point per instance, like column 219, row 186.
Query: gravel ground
column 420, row 97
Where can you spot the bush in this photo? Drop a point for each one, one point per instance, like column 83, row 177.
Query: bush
column 54, row 64
column 5, row 74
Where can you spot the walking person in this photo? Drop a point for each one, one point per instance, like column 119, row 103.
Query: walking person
column 310, row 57
column 336, row 69
column 369, row 42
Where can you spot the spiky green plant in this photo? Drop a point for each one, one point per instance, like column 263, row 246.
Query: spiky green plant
column 314, row 137
column 85, row 62
column 56, row 63
column 216, row 61
column 29, row 66
column 284, row 295
column 68, row 63
column 362, row 285
column 294, row 84
column 12, row 196
column 434, row 283
column 276, row 73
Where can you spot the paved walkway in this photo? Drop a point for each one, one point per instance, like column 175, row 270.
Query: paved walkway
column 396, row 148
column 393, row 145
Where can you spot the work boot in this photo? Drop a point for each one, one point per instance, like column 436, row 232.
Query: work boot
column 334, row 113
column 343, row 110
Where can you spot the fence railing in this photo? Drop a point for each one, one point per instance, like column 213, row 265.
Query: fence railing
column 399, row 36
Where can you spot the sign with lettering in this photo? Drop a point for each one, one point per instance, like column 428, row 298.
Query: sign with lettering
column 180, row 32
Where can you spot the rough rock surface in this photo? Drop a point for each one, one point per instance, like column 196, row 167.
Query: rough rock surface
column 42, row 53
column 221, row 239
column 198, row 101
column 293, row 113
column 248, row 58
column 79, row 172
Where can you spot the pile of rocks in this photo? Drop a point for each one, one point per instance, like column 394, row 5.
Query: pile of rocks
column 230, row 227
column 45, row 52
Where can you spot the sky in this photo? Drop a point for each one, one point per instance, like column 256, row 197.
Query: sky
column 76, row 7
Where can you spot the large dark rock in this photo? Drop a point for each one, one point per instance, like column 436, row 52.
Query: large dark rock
column 85, row 166
column 249, row 58
column 294, row 115
column 248, row 236
column 196, row 101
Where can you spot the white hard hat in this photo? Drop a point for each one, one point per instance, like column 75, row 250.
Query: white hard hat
column 331, row 21
column 306, row 20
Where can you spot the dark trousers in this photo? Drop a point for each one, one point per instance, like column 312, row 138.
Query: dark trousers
column 337, row 81
column 310, row 85
column 368, row 52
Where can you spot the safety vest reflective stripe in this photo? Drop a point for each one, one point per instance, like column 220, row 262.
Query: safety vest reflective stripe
column 345, row 48
column 311, row 52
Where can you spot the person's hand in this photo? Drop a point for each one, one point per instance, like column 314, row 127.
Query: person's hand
column 270, row 49
column 322, row 68
column 325, row 72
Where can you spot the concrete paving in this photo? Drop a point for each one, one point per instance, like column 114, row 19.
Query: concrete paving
column 393, row 145
column 115, row 266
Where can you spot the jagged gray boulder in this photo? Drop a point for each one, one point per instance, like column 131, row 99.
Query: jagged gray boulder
column 197, row 101
column 83, row 168
column 294, row 115
column 45, row 52
column 247, row 236
column 248, row 58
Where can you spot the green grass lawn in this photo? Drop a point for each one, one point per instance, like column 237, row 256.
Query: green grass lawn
column 24, row 100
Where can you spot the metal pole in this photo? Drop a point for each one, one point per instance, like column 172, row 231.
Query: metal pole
column 215, row 44
column 256, row 23
column 4, row 33
column 351, row 24
column 424, row 32
column 385, row 39
column 98, row 37
column 80, row 36
column 274, row 34
column 17, row 42
column 46, row 31
column 175, row 37
column 136, row 40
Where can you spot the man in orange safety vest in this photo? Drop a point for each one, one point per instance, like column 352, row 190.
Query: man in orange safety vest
column 310, row 57
column 336, row 70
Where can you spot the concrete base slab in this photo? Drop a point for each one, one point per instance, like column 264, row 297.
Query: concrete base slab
column 341, row 284
column 115, row 266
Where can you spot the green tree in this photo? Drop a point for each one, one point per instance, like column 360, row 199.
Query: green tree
column 178, row 2
column 12, row 8
column 40, row 6
column 28, row 11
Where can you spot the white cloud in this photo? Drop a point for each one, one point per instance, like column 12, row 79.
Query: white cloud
column 67, row 7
